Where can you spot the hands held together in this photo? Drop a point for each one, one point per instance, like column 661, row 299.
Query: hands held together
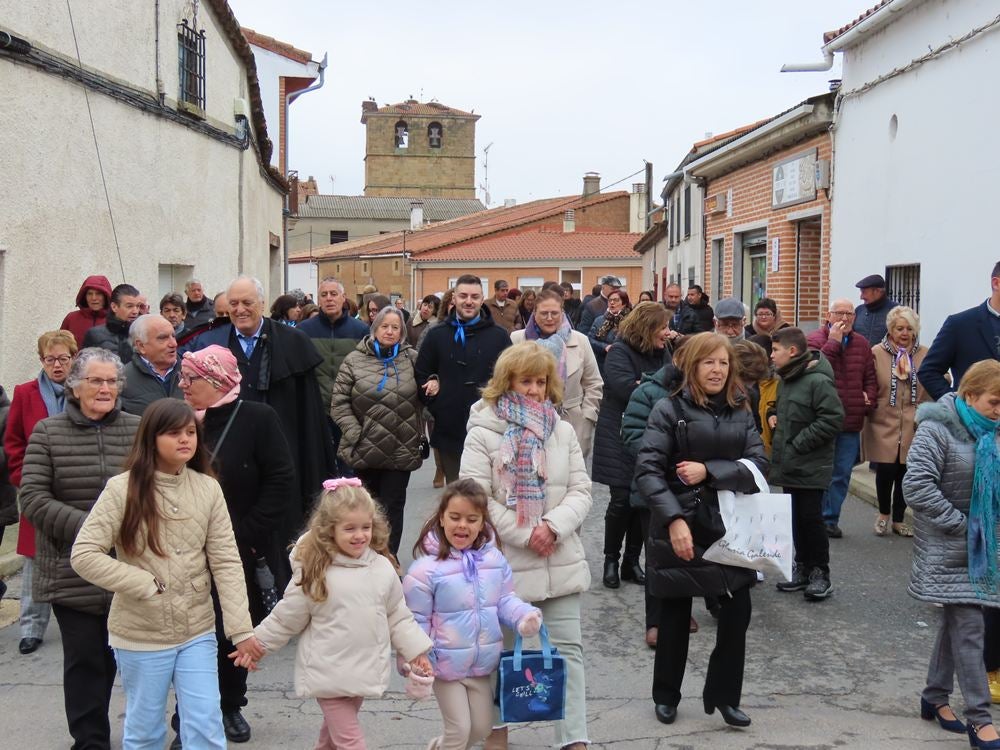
column 248, row 653
column 543, row 540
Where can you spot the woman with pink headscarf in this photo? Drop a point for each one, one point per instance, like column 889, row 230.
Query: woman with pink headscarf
column 254, row 466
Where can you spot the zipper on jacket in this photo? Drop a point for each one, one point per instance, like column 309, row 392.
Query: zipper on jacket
column 100, row 452
column 479, row 618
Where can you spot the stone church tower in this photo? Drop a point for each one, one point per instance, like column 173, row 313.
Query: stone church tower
column 418, row 149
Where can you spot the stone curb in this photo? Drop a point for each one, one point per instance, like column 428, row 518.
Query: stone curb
column 10, row 564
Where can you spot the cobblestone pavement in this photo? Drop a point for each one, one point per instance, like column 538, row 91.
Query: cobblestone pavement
column 845, row 673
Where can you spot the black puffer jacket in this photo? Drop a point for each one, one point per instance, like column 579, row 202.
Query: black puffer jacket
column 698, row 318
column 623, row 369
column 718, row 436
column 68, row 461
column 113, row 336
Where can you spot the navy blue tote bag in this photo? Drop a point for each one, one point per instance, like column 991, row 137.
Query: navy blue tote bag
column 531, row 685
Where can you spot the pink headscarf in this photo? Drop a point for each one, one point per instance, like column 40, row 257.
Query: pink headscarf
column 217, row 365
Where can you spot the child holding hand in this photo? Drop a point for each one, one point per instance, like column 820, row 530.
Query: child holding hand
column 346, row 601
column 460, row 589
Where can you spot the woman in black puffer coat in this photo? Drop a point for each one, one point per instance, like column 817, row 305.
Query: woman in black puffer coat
column 640, row 349
column 690, row 450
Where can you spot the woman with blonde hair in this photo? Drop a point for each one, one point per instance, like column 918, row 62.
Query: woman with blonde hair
column 529, row 462
column 952, row 483
column 639, row 350
column 696, row 443
column 890, row 427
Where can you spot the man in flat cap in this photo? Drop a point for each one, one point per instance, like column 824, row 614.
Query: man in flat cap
column 594, row 309
column 869, row 318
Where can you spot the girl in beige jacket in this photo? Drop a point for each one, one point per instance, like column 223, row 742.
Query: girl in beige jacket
column 346, row 601
column 167, row 520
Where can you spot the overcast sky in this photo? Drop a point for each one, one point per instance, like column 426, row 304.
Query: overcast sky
column 563, row 87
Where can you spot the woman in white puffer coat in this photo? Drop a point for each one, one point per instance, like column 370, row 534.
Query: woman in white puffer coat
column 530, row 463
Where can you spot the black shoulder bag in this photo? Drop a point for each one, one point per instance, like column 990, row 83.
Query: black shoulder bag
column 705, row 521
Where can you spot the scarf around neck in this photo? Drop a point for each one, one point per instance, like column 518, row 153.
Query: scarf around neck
column 461, row 325
column 556, row 343
column 984, row 510
column 387, row 358
column 522, row 453
column 901, row 357
column 53, row 394
column 611, row 322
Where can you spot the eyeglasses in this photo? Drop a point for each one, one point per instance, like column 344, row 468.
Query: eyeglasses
column 731, row 323
column 548, row 314
column 842, row 314
column 764, row 314
column 185, row 379
column 63, row 360
column 98, row 382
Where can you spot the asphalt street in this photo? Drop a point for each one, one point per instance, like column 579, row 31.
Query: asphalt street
column 844, row 673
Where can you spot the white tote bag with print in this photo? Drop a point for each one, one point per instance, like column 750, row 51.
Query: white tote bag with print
column 758, row 529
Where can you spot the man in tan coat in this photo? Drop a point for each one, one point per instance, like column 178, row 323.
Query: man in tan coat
column 504, row 311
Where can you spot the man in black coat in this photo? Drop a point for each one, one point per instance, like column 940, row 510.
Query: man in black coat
column 199, row 309
column 152, row 373
column 964, row 339
column 278, row 364
column 113, row 335
column 696, row 315
column 455, row 362
column 869, row 318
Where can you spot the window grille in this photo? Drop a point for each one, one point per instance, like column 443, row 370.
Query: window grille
column 191, row 64
column 903, row 285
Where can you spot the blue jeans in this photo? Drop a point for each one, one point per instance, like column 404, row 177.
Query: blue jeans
column 34, row 615
column 845, row 456
column 146, row 677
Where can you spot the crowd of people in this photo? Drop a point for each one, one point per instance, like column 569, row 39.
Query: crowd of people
column 200, row 443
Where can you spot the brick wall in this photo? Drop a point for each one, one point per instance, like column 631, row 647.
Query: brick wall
column 806, row 241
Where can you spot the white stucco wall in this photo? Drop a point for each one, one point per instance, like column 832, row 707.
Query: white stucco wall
column 270, row 67
column 928, row 194
column 689, row 251
column 177, row 195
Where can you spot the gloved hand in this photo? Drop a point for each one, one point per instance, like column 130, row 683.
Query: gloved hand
column 530, row 624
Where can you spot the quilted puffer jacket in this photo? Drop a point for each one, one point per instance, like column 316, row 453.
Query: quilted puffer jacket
column 853, row 374
column 381, row 428
column 716, row 435
column 640, row 404
column 567, row 503
column 463, row 615
column 200, row 548
column 938, row 487
column 68, row 461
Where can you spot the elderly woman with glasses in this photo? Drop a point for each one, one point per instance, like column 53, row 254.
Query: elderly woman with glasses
column 68, row 460
column 766, row 319
column 577, row 365
column 45, row 396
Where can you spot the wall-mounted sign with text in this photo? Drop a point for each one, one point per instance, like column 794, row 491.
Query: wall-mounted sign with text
column 794, row 180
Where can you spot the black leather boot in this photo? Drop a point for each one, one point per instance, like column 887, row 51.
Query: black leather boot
column 611, row 579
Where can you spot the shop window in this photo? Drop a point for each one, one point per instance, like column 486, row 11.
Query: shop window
column 435, row 134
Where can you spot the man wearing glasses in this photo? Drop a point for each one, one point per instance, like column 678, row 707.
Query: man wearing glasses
column 853, row 364
column 730, row 318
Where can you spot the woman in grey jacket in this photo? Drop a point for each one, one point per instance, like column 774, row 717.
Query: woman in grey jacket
column 375, row 404
column 952, row 484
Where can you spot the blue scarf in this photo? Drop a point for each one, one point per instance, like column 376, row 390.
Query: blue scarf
column 984, row 510
column 460, row 326
column 387, row 359
column 470, row 562
column 53, row 394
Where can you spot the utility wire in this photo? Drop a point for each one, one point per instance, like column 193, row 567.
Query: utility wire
column 97, row 148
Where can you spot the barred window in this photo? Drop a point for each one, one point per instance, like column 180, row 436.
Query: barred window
column 191, row 65
column 903, row 285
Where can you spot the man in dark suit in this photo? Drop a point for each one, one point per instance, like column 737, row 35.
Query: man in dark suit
column 965, row 338
column 278, row 366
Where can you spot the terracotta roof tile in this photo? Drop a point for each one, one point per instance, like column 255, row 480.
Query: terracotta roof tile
column 385, row 207
column 543, row 244
column 278, row 47
column 831, row 35
column 732, row 133
column 421, row 109
column 463, row 229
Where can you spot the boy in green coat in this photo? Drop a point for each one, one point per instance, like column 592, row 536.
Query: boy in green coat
column 806, row 419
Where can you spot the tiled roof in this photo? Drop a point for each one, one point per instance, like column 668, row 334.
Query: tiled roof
column 278, row 47
column 544, row 244
column 371, row 207
column 426, row 109
column 717, row 139
column 463, row 229
column 831, row 35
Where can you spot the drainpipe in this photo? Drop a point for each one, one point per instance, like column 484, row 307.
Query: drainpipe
column 816, row 67
column 288, row 100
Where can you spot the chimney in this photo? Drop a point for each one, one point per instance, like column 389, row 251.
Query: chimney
column 293, row 193
column 569, row 221
column 369, row 107
column 416, row 214
column 591, row 184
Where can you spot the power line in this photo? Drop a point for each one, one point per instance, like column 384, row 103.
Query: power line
column 97, row 148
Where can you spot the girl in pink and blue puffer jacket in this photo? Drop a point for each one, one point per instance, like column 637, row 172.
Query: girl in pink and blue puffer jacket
column 460, row 589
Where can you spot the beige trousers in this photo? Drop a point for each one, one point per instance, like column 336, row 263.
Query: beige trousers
column 467, row 709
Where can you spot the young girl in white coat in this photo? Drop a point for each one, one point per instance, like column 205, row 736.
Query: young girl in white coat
column 346, row 601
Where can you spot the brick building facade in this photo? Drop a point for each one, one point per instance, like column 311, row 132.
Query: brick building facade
column 767, row 213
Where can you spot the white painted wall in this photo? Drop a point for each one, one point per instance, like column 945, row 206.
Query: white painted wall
column 928, row 195
column 179, row 197
column 270, row 67
column 690, row 251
